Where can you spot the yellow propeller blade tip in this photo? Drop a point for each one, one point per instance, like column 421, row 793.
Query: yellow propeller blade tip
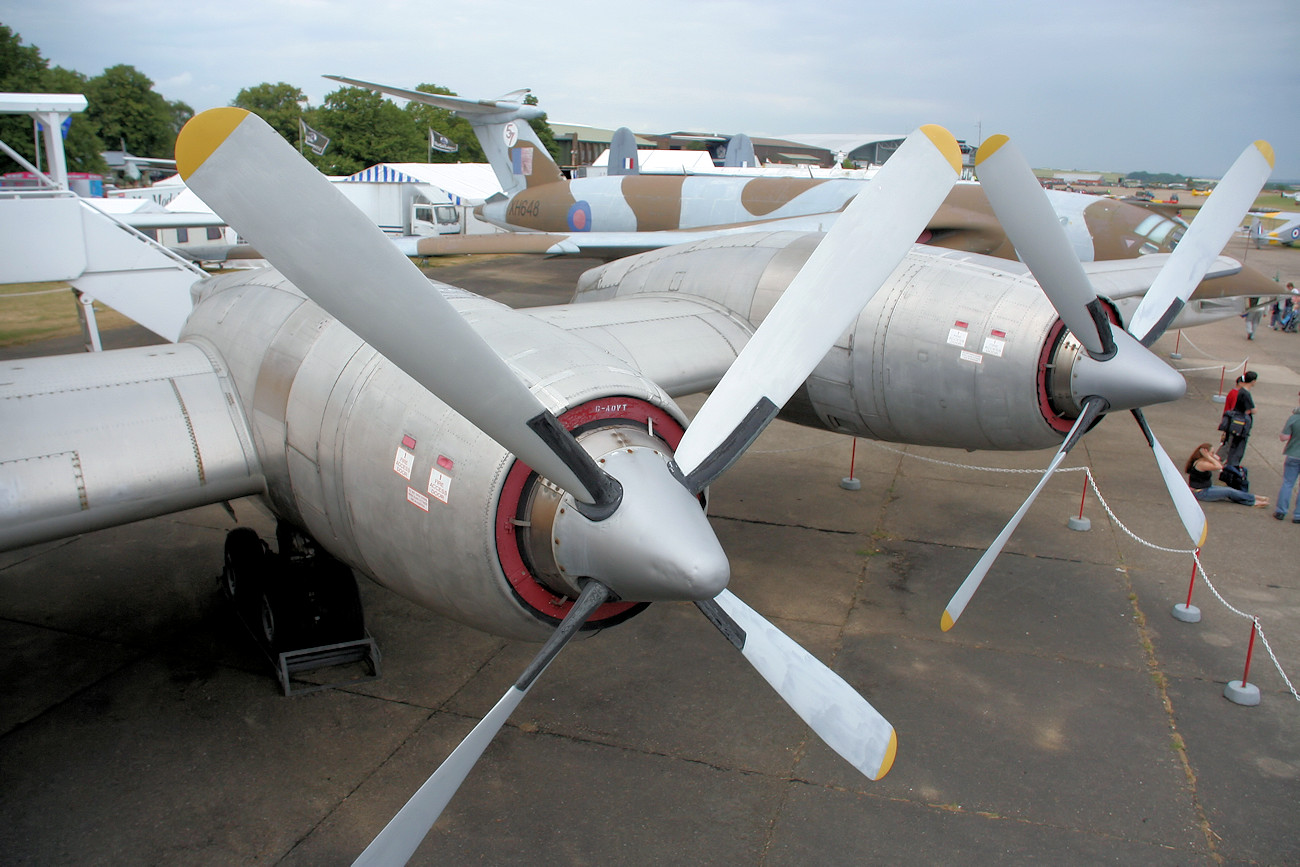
column 946, row 144
column 947, row 622
column 1267, row 150
column 990, row 147
column 202, row 135
column 889, row 755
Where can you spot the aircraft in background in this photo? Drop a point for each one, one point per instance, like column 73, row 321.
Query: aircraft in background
column 608, row 217
column 1275, row 228
column 527, row 472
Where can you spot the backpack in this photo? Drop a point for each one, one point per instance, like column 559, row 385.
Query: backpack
column 1236, row 477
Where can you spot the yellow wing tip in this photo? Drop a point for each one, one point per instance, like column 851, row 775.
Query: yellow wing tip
column 946, row 143
column 1205, row 534
column 990, row 147
column 947, row 622
column 890, row 752
column 202, row 135
column 1267, row 150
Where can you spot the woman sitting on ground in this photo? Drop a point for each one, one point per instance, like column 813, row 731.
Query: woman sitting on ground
column 1200, row 469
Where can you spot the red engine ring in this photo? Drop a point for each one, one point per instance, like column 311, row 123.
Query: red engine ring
column 534, row 595
column 1054, row 337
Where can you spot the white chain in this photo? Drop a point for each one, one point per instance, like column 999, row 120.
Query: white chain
column 1092, row 482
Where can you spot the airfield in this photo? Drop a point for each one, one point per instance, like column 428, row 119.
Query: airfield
column 1068, row 717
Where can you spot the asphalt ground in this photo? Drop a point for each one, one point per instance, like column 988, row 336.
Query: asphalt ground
column 1066, row 718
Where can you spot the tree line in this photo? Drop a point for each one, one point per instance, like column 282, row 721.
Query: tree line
column 125, row 112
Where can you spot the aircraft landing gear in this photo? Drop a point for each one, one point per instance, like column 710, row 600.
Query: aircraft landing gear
column 300, row 604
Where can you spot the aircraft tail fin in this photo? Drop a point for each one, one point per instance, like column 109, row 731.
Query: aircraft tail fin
column 516, row 154
column 623, row 158
column 740, row 152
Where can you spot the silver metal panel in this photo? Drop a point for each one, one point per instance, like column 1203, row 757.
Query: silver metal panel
column 683, row 344
column 88, row 441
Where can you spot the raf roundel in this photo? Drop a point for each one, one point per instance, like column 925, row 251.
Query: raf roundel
column 580, row 217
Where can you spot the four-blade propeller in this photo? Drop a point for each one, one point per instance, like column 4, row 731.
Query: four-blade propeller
column 1118, row 372
column 262, row 187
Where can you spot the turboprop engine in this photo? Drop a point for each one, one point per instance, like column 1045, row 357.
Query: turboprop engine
column 955, row 350
column 398, row 484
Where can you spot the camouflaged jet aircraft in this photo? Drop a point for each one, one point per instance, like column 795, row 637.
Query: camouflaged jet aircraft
column 629, row 212
column 566, row 490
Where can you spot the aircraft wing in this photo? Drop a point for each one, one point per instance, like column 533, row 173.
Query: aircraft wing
column 682, row 343
column 964, row 222
column 94, row 440
column 1130, row 278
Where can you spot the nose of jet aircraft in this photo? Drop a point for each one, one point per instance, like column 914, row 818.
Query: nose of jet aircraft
column 658, row 546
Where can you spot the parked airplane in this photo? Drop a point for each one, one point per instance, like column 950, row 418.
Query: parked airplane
column 1276, row 228
column 561, row 477
column 628, row 213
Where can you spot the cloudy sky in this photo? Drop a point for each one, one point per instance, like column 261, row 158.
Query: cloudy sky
column 1113, row 85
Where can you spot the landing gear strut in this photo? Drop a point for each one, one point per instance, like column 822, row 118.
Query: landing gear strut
column 300, row 604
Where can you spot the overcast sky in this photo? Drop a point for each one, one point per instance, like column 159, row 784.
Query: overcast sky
column 1110, row 85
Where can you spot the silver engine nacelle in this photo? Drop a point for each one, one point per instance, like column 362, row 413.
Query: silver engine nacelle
column 391, row 480
column 955, row 350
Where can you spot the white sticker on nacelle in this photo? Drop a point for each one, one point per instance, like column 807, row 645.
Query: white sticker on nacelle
column 439, row 485
column 956, row 337
column 403, row 462
column 416, row 498
column 972, row 357
column 994, row 347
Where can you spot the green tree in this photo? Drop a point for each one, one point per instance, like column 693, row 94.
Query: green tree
column 24, row 70
column 364, row 128
column 128, row 111
column 280, row 105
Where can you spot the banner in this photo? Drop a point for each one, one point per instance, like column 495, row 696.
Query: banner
column 440, row 142
column 313, row 139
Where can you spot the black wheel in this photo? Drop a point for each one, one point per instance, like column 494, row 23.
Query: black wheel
column 243, row 565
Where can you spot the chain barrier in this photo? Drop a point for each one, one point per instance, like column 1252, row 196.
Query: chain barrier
column 1222, row 364
column 1092, row 482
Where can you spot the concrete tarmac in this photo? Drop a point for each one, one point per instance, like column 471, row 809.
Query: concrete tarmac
column 1067, row 718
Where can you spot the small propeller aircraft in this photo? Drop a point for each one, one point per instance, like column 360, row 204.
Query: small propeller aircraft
column 565, row 488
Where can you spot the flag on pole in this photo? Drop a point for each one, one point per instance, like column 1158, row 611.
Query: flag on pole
column 313, row 139
column 440, row 142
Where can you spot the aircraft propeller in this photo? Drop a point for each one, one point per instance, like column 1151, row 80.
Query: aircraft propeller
column 247, row 173
column 1119, row 371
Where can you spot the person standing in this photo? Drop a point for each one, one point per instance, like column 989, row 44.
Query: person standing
column 1253, row 315
column 1290, row 438
column 1233, row 448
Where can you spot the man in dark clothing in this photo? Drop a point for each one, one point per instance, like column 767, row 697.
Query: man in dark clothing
column 1233, row 448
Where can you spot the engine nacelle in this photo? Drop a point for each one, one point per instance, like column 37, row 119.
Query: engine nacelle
column 397, row 484
column 956, row 349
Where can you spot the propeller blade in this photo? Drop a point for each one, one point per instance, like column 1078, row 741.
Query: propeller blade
column 1204, row 240
column 1092, row 407
column 822, row 699
column 858, row 254
column 263, row 188
column 404, row 833
column 1189, row 509
column 1027, row 216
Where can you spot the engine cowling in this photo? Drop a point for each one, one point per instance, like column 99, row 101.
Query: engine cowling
column 956, row 349
column 391, row 480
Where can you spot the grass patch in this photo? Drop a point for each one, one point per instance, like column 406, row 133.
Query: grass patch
column 39, row 311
